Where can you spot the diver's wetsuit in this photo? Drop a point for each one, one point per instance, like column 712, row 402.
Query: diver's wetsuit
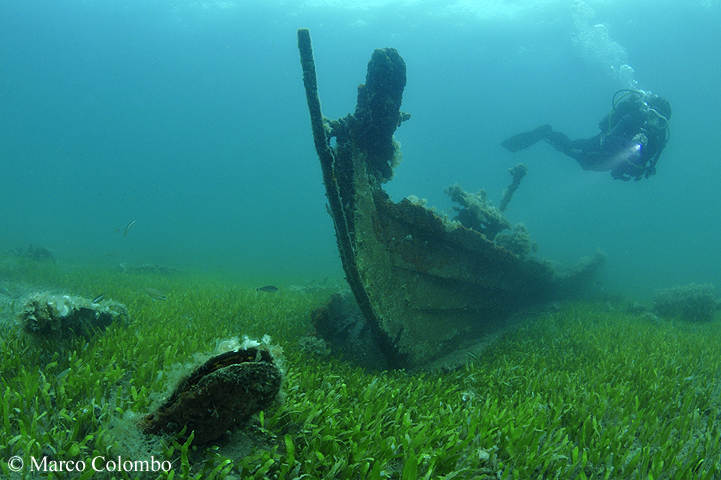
column 616, row 151
column 626, row 146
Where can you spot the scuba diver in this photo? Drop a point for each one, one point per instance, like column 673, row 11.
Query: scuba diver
column 632, row 137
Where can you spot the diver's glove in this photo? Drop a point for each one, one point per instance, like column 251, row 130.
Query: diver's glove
column 640, row 139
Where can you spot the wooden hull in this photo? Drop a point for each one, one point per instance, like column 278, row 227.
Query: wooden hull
column 424, row 285
column 431, row 286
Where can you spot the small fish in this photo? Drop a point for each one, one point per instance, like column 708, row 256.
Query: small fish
column 98, row 298
column 154, row 294
column 128, row 228
column 268, row 288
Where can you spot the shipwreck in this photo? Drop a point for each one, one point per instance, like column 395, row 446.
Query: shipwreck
column 425, row 286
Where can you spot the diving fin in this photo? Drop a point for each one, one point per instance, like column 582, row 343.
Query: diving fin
column 526, row 139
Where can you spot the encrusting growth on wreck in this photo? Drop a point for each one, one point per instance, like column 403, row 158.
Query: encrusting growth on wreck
column 518, row 171
column 476, row 212
column 337, row 163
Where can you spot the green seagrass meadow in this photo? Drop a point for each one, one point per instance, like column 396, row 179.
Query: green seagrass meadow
column 585, row 392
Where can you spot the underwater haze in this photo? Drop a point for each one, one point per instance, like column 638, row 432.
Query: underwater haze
column 190, row 119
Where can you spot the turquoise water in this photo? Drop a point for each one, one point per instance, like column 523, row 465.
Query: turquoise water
column 189, row 118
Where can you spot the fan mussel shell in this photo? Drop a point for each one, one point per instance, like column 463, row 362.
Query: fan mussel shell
column 221, row 394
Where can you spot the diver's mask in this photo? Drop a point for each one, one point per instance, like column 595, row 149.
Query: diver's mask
column 655, row 120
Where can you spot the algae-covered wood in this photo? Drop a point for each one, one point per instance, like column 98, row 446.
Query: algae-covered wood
column 423, row 284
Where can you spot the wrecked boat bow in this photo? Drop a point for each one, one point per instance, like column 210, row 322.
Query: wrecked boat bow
column 424, row 284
